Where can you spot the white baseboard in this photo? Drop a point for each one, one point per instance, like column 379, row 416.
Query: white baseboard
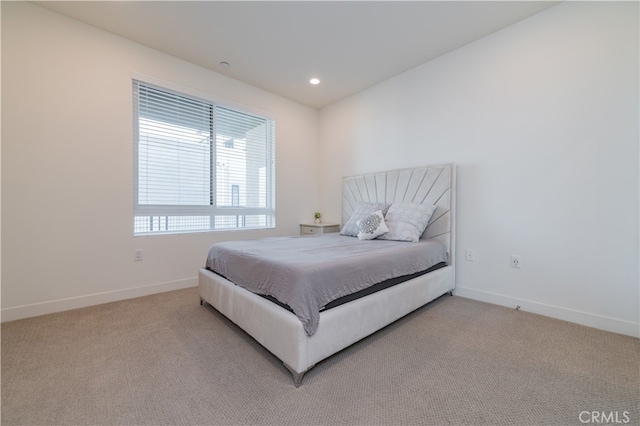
column 614, row 325
column 59, row 305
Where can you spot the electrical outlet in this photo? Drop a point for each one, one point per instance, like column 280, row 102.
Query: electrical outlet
column 516, row 261
column 470, row 255
column 137, row 255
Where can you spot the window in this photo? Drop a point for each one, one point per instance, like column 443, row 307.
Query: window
column 200, row 166
column 235, row 195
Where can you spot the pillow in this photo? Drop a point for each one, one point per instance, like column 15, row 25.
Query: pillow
column 407, row 221
column 362, row 209
column 372, row 226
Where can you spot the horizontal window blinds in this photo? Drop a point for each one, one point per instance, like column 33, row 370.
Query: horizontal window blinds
column 200, row 166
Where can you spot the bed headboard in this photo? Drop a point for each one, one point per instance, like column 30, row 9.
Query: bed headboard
column 424, row 185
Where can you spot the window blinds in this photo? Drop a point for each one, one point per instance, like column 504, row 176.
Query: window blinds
column 199, row 165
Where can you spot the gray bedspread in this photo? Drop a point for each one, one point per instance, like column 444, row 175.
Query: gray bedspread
column 307, row 272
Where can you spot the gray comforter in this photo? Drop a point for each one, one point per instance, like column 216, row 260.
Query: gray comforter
column 308, row 272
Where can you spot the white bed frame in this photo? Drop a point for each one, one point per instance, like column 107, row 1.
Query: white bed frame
column 281, row 332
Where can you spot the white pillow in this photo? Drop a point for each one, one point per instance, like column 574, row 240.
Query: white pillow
column 407, row 221
column 372, row 226
column 362, row 209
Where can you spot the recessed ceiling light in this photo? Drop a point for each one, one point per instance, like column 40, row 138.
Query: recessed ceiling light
column 314, row 81
column 224, row 64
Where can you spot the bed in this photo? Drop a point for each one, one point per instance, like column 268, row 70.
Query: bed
column 298, row 344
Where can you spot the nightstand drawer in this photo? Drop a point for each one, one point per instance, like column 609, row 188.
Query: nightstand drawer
column 304, row 229
column 318, row 228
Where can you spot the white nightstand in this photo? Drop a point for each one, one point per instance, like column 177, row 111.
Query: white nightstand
column 318, row 228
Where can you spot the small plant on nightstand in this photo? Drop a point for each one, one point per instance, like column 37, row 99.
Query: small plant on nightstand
column 317, row 216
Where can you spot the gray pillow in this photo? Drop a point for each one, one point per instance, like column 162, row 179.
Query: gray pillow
column 362, row 209
column 407, row 221
column 372, row 226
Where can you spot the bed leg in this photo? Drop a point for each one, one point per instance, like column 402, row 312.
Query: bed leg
column 451, row 293
column 297, row 377
column 201, row 301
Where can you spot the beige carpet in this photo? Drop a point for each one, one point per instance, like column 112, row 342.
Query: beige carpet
column 164, row 359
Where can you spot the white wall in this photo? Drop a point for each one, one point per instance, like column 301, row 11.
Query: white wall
column 67, row 165
column 542, row 120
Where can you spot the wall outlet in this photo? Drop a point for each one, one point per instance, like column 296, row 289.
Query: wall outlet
column 516, row 261
column 470, row 255
column 137, row 255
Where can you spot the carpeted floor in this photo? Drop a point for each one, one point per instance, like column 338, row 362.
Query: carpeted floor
column 164, row 359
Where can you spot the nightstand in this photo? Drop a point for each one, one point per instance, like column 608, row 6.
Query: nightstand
column 318, row 228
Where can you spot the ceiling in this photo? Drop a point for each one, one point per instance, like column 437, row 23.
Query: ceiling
column 279, row 46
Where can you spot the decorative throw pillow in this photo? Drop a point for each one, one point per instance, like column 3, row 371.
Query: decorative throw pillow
column 362, row 209
column 407, row 221
column 372, row 226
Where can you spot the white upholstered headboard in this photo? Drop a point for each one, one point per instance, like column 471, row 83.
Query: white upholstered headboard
column 424, row 185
